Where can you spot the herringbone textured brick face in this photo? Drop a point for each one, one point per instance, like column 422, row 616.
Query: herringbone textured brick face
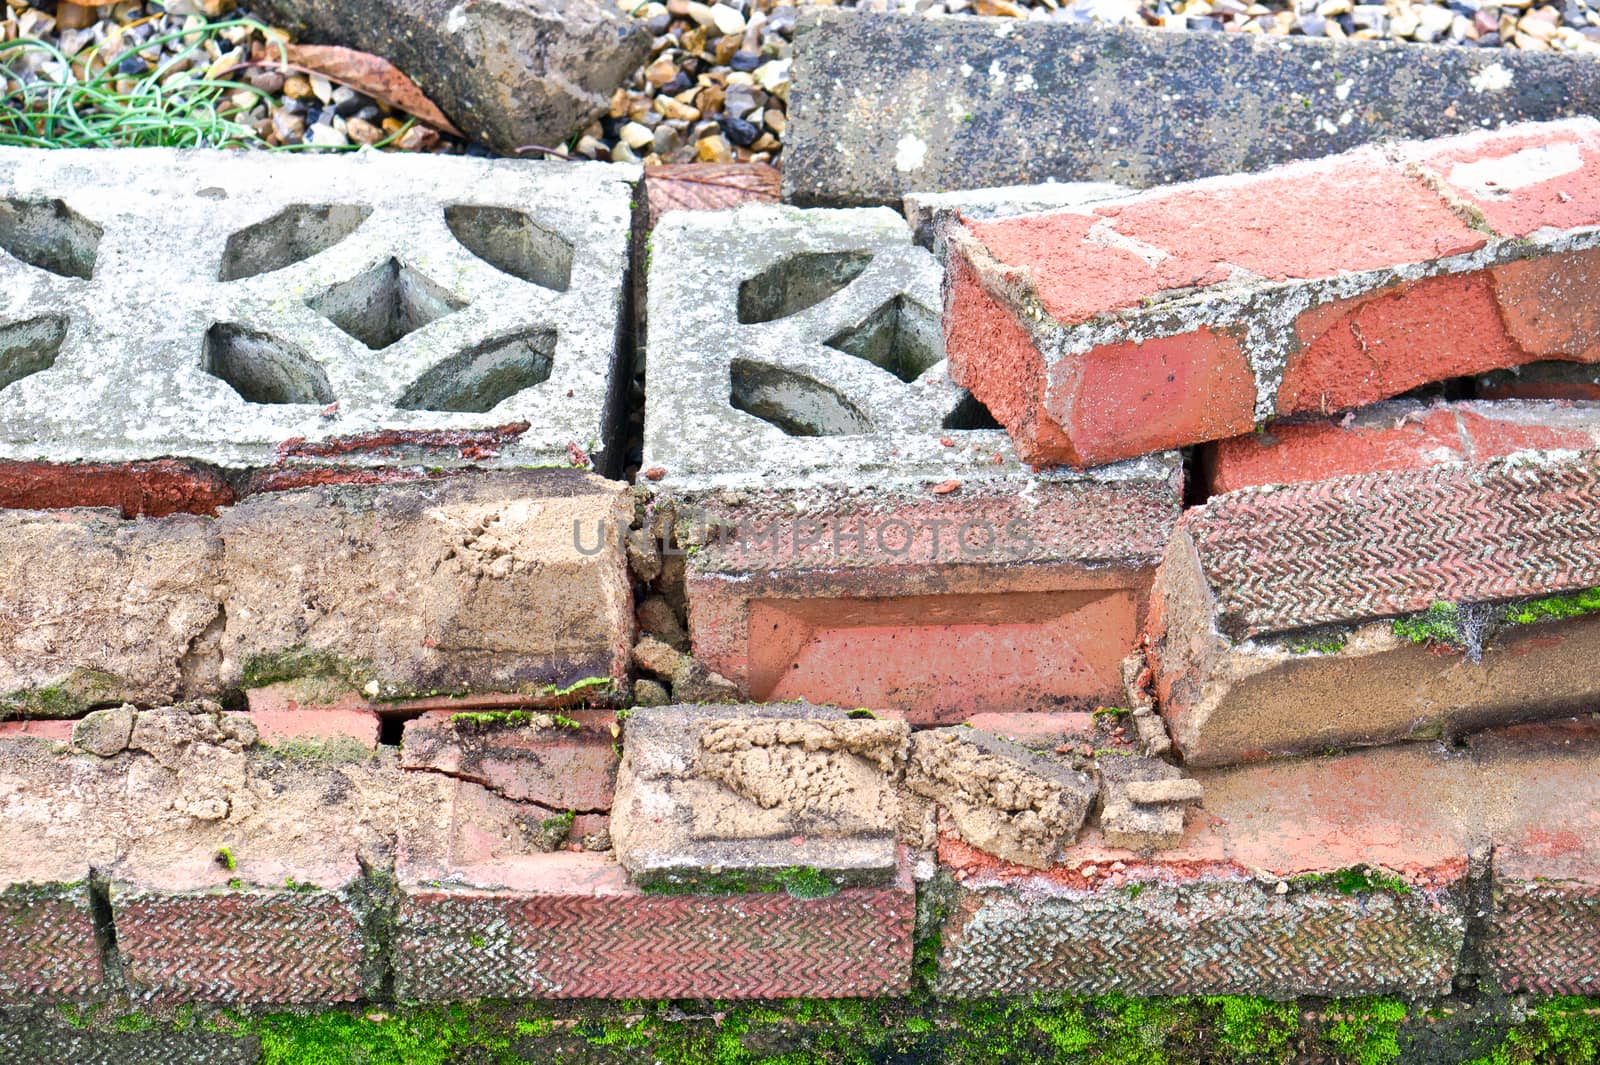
column 1224, row 937
column 48, row 950
column 1376, row 545
column 1545, row 938
column 241, row 946
column 471, row 944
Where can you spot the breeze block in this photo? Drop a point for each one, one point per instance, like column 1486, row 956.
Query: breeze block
column 860, row 533
column 1370, row 607
column 293, row 313
column 1175, row 316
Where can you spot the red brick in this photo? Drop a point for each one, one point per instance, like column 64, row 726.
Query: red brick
column 479, row 916
column 337, row 723
column 1550, row 305
column 993, row 357
column 1208, row 917
column 147, row 489
column 1355, row 351
column 49, row 951
column 573, row 927
column 1132, row 398
column 932, row 632
column 1199, row 234
column 1522, row 178
column 558, row 766
column 287, row 925
column 53, row 731
column 1397, row 436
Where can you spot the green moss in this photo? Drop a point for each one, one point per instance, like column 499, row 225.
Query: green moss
column 1112, row 711
column 1565, row 1029
column 403, row 1037
column 225, row 856
column 801, row 882
column 501, row 718
column 1318, row 642
column 1365, row 1031
column 305, row 663
column 79, row 693
column 327, row 750
column 1554, row 608
column 1357, row 880
column 1253, row 1029
column 1440, row 623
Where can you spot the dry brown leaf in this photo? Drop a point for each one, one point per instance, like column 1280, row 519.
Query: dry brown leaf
column 372, row 75
column 708, row 186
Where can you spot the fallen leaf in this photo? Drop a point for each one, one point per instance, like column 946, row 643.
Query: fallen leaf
column 944, row 488
column 707, row 187
column 372, row 75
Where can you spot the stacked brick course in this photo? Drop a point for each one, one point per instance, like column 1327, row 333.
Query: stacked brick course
column 1129, row 807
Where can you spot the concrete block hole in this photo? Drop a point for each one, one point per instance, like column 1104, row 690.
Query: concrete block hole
column 797, row 283
column 481, row 378
column 49, row 235
column 290, row 236
column 902, row 336
column 262, row 368
column 514, row 243
column 30, row 347
column 793, row 402
column 385, row 304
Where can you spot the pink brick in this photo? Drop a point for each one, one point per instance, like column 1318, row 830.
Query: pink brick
column 559, row 766
column 280, row 717
column 53, row 730
column 147, row 489
column 1103, row 332
column 1195, row 235
column 1398, row 436
column 933, row 631
column 49, row 951
column 281, row 928
column 481, row 916
column 1522, row 178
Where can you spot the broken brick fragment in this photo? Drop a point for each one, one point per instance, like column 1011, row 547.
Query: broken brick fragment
column 1170, row 317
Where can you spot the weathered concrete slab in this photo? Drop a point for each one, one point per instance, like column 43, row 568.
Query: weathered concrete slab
column 362, row 310
column 749, row 794
column 927, row 212
column 861, row 534
column 885, row 105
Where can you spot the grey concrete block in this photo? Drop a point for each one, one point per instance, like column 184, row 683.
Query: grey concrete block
column 885, row 105
column 739, row 796
column 794, row 347
column 247, row 310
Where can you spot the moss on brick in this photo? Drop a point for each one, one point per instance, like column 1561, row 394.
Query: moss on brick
column 305, row 663
column 1356, row 880
column 80, row 692
column 801, row 882
column 1554, row 608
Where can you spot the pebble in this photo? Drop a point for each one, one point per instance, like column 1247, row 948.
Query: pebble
column 363, row 132
column 325, row 136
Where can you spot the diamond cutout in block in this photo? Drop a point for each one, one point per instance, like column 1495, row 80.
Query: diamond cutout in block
column 902, row 336
column 482, row 377
column 30, row 347
column 292, row 235
column 385, row 304
column 797, row 283
column 49, row 235
column 262, row 368
column 795, row 403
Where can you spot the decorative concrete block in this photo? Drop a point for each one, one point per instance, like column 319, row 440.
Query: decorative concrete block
column 856, row 536
column 359, row 310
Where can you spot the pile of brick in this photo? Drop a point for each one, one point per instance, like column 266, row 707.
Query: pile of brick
column 959, row 601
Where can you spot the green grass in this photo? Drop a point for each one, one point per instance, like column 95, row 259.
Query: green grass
column 161, row 107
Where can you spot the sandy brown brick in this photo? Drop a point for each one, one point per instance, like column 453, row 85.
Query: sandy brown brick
column 567, row 762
